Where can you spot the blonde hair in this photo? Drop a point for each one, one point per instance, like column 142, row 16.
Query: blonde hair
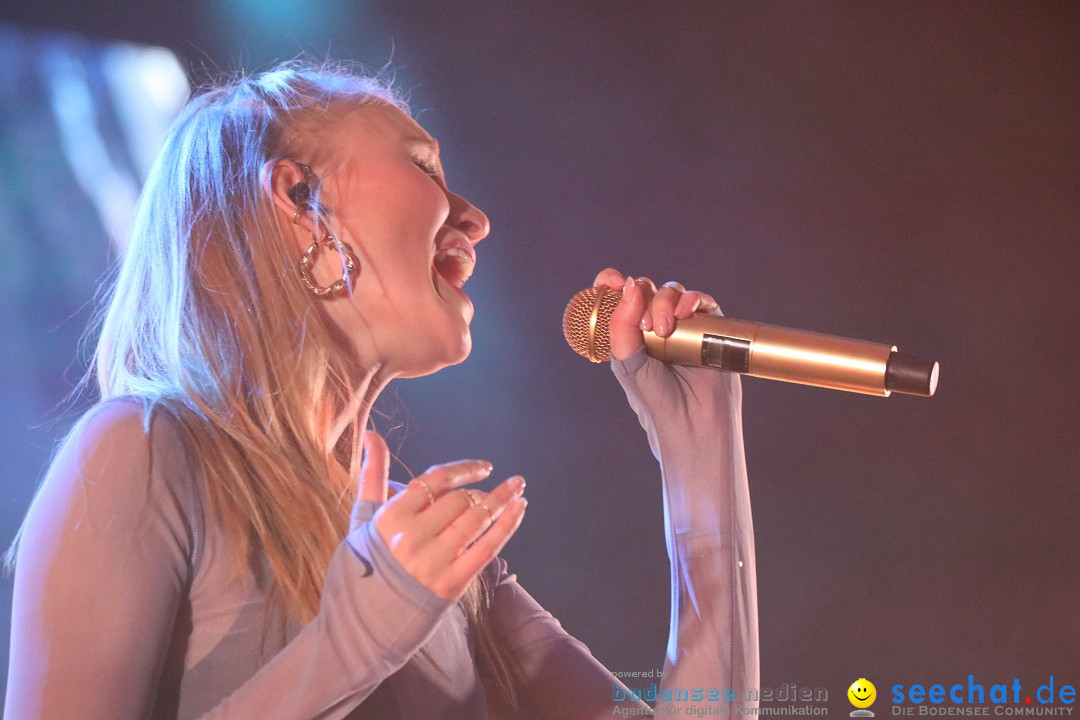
column 209, row 322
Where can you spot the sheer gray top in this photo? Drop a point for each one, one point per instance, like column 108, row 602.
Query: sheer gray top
column 127, row 605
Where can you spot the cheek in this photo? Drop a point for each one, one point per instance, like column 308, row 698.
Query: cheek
column 392, row 221
column 397, row 226
column 408, row 201
column 430, row 206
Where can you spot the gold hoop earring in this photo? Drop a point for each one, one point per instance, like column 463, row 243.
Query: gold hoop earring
column 307, row 262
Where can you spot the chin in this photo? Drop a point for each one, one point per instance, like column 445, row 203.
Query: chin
column 450, row 353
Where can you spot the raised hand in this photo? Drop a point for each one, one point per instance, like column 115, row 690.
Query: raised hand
column 645, row 307
column 440, row 534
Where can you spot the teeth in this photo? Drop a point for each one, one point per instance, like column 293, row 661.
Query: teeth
column 454, row 264
column 455, row 252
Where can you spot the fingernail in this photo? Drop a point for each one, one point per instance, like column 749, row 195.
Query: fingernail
column 518, row 484
column 662, row 326
column 628, row 285
column 486, row 467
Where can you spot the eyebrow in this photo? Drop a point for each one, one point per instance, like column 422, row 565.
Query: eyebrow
column 428, row 142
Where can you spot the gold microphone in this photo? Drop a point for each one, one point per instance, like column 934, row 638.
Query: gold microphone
column 756, row 349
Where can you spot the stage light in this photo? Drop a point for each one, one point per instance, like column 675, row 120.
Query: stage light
column 264, row 30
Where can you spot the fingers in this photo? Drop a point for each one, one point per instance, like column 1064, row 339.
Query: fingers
column 451, row 506
column 462, row 525
column 425, row 489
column 693, row 302
column 374, row 469
column 473, row 560
column 429, row 539
column 609, row 277
column 624, row 329
column 673, row 302
column 662, row 310
column 644, row 307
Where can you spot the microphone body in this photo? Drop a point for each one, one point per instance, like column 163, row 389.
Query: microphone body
column 758, row 350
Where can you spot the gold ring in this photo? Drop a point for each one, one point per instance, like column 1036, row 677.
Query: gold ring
column 427, row 489
column 491, row 515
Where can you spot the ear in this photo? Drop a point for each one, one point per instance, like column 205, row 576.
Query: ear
column 289, row 187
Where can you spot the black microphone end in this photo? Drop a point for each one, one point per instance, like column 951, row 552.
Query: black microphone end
column 911, row 375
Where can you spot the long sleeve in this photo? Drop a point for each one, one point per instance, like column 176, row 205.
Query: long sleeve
column 693, row 420
column 557, row 678
column 373, row 618
column 110, row 549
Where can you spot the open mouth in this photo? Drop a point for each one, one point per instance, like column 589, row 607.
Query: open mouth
column 455, row 265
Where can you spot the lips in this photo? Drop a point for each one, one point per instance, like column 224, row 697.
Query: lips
column 455, row 263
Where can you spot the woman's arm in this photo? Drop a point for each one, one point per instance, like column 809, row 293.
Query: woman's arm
column 693, row 420
column 103, row 562
column 692, row 417
column 556, row 677
column 374, row 616
column 109, row 549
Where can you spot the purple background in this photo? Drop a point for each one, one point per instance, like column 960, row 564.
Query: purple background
column 899, row 172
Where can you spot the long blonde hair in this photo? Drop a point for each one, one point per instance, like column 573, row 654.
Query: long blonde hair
column 209, row 322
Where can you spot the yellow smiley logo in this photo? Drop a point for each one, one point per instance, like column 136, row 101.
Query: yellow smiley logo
column 862, row 693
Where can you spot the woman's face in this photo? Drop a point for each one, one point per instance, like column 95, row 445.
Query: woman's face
column 413, row 238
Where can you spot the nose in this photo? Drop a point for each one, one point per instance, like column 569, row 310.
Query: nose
column 468, row 218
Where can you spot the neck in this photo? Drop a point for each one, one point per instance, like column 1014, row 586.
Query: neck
column 355, row 413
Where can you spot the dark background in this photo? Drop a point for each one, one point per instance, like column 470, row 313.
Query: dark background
column 903, row 172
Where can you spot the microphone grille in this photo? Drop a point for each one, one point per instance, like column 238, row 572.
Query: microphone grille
column 586, row 321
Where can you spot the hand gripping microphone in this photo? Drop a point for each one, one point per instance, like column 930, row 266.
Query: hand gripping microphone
column 756, row 349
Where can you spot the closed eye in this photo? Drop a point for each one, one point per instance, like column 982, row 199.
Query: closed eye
column 428, row 167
